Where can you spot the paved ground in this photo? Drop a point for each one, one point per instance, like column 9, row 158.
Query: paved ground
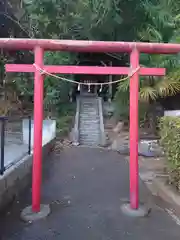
column 85, row 188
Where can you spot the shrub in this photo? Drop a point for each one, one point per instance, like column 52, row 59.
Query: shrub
column 64, row 125
column 170, row 141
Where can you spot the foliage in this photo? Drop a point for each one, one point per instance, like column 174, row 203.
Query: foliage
column 115, row 20
column 56, row 90
column 161, row 27
column 63, row 125
column 66, row 109
column 87, row 19
column 2, row 63
column 170, row 141
column 121, row 102
column 24, row 84
column 77, row 19
column 65, row 19
column 64, row 121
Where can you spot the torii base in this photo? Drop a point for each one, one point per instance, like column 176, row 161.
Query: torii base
column 28, row 215
column 142, row 211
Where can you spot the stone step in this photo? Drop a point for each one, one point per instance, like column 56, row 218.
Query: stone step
column 89, row 140
column 95, row 118
column 89, row 128
column 91, row 131
column 92, row 126
column 88, row 136
column 90, row 120
column 86, row 121
column 89, row 125
column 87, row 115
column 85, row 132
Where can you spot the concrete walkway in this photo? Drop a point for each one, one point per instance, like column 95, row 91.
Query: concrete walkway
column 86, row 188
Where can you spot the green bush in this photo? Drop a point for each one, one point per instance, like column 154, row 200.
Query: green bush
column 64, row 124
column 64, row 118
column 66, row 109
column 170, row 141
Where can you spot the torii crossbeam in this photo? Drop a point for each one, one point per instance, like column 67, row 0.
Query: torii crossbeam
column 134, row 49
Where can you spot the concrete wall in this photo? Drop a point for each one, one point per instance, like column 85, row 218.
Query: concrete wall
column 173, row 113
column 18, row 177
column 49, row 131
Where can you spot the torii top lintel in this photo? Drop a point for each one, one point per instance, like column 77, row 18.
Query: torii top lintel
column 88, row 46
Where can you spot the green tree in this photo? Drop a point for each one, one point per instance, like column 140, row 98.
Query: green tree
column 56, row 90
column 127, row 20
column 77, row 19
column 161, row 25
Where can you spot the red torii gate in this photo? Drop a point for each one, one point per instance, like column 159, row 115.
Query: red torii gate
column 41, row 45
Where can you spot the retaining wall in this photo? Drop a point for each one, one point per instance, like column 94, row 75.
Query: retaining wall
column 18, row 177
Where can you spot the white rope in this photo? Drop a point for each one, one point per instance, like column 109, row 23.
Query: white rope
column 42, row 71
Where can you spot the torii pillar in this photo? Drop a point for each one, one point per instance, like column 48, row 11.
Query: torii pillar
column 38, row 122
column 134, row 126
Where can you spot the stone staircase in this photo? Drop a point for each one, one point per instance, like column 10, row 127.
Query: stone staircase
column 89, row 121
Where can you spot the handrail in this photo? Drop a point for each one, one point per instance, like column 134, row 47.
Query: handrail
column 102, row 140
column 75, row 131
